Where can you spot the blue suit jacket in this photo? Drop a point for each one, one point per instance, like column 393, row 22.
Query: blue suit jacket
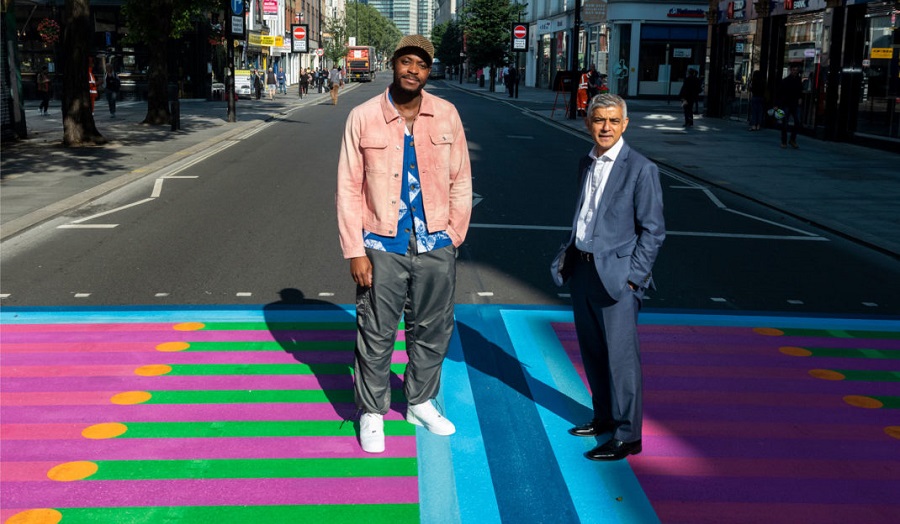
column 630, row 227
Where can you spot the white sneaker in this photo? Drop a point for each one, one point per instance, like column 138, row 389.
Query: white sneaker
column 425, row 415
column 371, row 433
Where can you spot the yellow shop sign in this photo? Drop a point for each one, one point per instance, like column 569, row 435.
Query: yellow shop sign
column 882, row 52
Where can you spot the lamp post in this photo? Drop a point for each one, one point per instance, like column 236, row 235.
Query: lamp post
column 573, row 62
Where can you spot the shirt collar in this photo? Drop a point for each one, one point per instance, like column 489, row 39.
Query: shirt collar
column 611, row 155
column 390, row 112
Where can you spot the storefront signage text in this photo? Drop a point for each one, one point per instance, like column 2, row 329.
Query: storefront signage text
column 882, row 52
column 686, row 13
column 790, row 5
column 736, row 9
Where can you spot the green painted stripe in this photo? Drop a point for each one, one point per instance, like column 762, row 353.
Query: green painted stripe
column 282, row 468
column 284, row 326
column 194, row 370
column 854, row 353
column 258, row 428
column 300, row 346
column 834, row 333
column 265, row 396
column 328, row 513
column 870, row 376
column 889, row 402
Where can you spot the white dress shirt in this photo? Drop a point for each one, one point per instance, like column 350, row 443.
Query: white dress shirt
column 591, row 193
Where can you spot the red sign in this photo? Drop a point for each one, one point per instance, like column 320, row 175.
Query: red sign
column 300, row 33
column 520, row 31
column 320, row 52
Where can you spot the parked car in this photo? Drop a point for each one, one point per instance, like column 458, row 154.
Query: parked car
column 438, row 70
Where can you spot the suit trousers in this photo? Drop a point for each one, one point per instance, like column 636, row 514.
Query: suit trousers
column 607, row 337
column 422, row 288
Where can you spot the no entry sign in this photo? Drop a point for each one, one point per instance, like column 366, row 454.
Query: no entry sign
column 299, row 40
column 519, row 42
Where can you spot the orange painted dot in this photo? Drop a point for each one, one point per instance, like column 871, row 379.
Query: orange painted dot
column 826, row 374
column 861, row 401
column 794, row 351
column 129, row 398
column 153, row 370
column 104, row 431
column 36, row 516
column 72, row 471
column 171, row 347
column 769, row 332
column 893, row 431
column 189, row 326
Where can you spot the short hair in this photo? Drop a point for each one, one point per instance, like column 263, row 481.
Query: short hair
column 608, row 100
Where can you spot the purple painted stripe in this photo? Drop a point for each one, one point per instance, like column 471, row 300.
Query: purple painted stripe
column 184, row 336
column 214, row 492
column 807, row 385
column 179, row 413
column 680, row 512
column 155, row 357
column 822, row 468
column 773, row 358
column 759, row 447
column 769, row 414
column 860, row 433
column 199, row 448
column 768, row 490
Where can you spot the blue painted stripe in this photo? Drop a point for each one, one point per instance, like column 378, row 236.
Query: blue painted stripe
column 601, row 492
column 118, row 315
column 527, row 481
column 682, row 319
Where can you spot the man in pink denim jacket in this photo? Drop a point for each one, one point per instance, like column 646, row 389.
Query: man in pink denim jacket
column 404, row 200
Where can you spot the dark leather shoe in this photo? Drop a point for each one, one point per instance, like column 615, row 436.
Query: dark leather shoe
column 614, row 450
column 593, row 428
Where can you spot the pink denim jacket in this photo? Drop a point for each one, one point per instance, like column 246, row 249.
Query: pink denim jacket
column 370, row 167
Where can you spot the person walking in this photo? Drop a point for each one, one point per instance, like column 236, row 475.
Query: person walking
column 616, row 235
column 757, row 99
column 689, row 94
column 282, row 81
column 112, row 91
column 257, row 83
column 271, row 83
column 92, row 84
column 304, row 82
column 512, row 79
column 789, row 93
column 404, row 201
column 336, row 79
column 43, row 88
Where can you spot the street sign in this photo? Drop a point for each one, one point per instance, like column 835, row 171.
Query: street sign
column 519, row 43
column 320, row 52
column 237, row 26
column 237, row 7
column 299, row 42
column 593, row 11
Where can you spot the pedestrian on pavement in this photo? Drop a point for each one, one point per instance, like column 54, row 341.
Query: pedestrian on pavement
column 92, row 83
column 282, row 81
column 43, row 88
column 336, row 79
column 512, row 78
column 689, row 94
column 593, row 82
column 757, row 99
column 617, row 232
column 789, row 92
column 271, row 83
column 581, row 98
column 403, row 210
column 112, row 91
column 304, row 82
column 257, row 83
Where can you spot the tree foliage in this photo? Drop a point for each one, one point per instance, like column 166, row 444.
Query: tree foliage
column 371, row 28
column 78, row 119
column 155, row 23
column 336, row 41
column 487, row 25
column 448, row 39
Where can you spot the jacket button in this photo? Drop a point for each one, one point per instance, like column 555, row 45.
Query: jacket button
column 396, row 175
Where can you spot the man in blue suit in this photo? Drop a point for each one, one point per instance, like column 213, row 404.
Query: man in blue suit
column 616, row 235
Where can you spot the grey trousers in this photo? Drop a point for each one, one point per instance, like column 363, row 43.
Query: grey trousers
column 607, row 337
column 421, row 287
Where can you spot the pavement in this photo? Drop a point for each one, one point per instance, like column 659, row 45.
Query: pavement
column 847, row 189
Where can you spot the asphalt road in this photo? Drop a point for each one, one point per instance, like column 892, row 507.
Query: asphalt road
column 253, row 220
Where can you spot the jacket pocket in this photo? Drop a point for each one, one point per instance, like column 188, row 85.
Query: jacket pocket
column 375, row 153
column 441, row 144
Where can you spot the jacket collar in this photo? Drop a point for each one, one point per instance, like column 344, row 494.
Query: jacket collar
column 390, row 112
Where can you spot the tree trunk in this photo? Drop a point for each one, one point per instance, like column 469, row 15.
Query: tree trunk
column 78, row 120
column 158, row 80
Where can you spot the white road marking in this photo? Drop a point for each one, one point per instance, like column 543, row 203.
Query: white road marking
column 87, row 226
column 326, row 294
column 160, row 295
column 668, row 233
column 718, row 299
column 795, row 302
column 520, row 137
column 564, row 295
column 82, row 295
column 870, row 304
column 244, row 294
column 476, row 199
column 485, row 293
column 75, row 224
column 4, row 295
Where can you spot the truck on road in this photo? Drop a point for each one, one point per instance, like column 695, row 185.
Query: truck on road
column 360, row 63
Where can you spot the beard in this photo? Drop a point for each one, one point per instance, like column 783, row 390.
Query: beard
column 398, row 84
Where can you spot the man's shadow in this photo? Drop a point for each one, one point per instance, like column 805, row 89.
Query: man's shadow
column 325, row 346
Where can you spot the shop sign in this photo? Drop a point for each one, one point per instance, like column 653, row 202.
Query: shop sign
column 681, row 52
column 739, row 47
column 543, row 26
column 270, row 7
column 676, row 12
column 790, row 5
column 736, row 9
column 237, row 25
column 594, row 11
column 881, row 52
column 741, row 28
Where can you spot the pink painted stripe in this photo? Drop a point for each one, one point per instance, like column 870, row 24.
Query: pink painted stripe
column 201, row 448
column 681, row 512
column 182, row 336
column 182, row 413
column 41, row 431
column 130, row 383
column 68, row 371
column 25, row 471
column 212, row 492
column 765, row 468
column 188, row 357
column 57, row 398
column 761, row 430
column 89, row 347
column 90, row 328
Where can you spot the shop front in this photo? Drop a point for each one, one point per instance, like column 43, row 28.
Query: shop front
column 878, row 105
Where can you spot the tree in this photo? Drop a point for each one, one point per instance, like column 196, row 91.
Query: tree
column 447, row 39
column 487, row 25
column 78, row 119
column 336, row 44
column 155, row 23
column 371, row 28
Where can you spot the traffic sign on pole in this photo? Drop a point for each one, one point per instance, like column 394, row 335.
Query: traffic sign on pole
column 299, row 40
column 237, row 7
column 519, row 42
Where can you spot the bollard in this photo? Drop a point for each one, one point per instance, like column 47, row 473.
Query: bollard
column 175, row 115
